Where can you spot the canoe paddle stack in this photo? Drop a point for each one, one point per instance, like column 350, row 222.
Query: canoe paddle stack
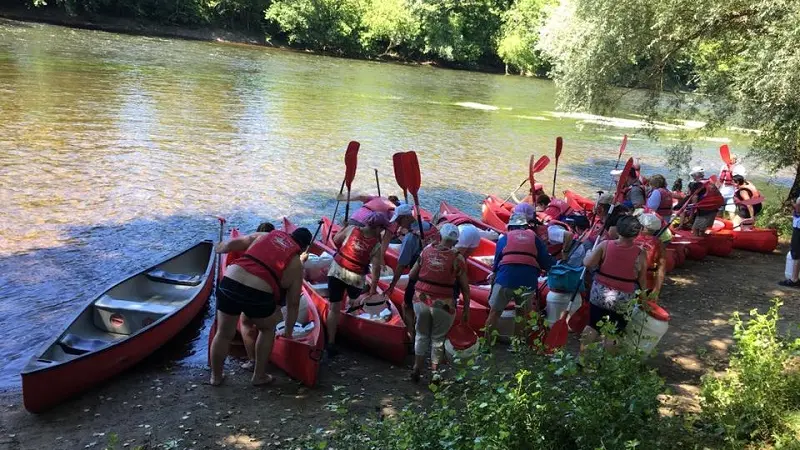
column 350, row 164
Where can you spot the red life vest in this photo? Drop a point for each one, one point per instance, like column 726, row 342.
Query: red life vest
column 665, row 207
column 725, row 176
column 712, row 200
column 595, row 231
column 520, row 248
column 356, row 251
column 458, row 219
column 755, row 197
column 618, row 269
column 628, row 190
column 269, row 256
column 437, row 273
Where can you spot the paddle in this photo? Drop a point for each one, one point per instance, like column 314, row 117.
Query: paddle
column 316, row 233
column 413, row 181
column 619, row 196
column 377, row 182
column 221, row 226
column 350, row 157
column 559, row 146
column 680, row 211
column 536, row 167
column 621, row 150
column 399, row 176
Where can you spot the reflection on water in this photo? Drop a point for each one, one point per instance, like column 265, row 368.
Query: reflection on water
column 115, row 150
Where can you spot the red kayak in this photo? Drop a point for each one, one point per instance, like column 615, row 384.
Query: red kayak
column 299, row 356
column 386, row 339
column 496, row 212
column 119, row 328
column 455, row 216
column 720, row 243
column 763, row 240
column 696, row 247
column 578, row 202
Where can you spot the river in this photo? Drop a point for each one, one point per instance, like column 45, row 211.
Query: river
column 117, row 150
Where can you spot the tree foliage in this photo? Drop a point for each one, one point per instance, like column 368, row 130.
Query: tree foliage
column 331, row 25
column 741, row 54
column 519, row 36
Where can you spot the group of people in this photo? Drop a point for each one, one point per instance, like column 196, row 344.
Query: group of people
column 628, row 258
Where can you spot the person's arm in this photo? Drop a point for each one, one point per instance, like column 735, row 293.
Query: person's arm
column 341, row 235
column 593, row 258
column 363, row 198
column 292, row 281
column 566, row 248
column 746, row 196
column 408, row 249
column 641, row 264
column 662, row 268
column 543, row 255
column 239, row 244
column 377, row 266
column 463, row 282
column 654, row 201
column 498, row 252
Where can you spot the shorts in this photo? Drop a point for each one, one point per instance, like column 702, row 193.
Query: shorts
column 235, row 298
column 337, row 289
column 598, row 314
column 744, row 213
column 502, row 296
column 795, row 246
column 704, row 220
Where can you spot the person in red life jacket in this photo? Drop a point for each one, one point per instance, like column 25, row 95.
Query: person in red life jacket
column 655, row 249
column 374, row 204
column 357, row 248
column 252, row 286
column 437, row 270
column 410, row 249
column 660, row 199
column 748, row 201
column 677, row 189
column 520, row 257
column 708, row 201
column 601, row 210
column 622, row 270
column 538, row 189
column 552, row 208
column 635, row 193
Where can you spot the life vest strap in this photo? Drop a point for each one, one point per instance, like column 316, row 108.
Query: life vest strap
column 613, row 277
column 266, row 267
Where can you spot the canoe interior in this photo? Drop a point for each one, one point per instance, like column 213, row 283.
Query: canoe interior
column 131, row 307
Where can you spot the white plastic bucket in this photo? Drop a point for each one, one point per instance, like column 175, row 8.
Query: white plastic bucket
column 790, row 265
column 557, row 303
column 645, row 330
column 505, row 324
column 453, row 353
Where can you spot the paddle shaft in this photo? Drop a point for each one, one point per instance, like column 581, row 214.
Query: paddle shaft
column 316, row 233
column 336, row 210
column 555, row 174
column 377, row 182
column 515, row 190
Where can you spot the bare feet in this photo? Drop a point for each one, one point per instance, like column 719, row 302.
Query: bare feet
column 214, row 381
column 248, row 365
column 263, row 380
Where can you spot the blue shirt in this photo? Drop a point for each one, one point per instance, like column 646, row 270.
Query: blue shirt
column 514, row 276
column 654, row 201
column 411, row 247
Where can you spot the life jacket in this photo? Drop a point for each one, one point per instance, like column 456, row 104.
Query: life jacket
column 665, row 207
column 725, row 176
column 755, row 197
column 520, row 248
column 712, row 200
column 356, row 250
column 269, row 256
column 457, row 219
column 376, row 205
column 437, row 274
column 651, row 245
column 618, row 269
column 595, row 230
column 630, row 188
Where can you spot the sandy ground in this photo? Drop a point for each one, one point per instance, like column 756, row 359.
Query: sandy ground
column 163, row 406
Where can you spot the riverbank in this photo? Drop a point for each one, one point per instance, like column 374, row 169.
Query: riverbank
column 163, row 406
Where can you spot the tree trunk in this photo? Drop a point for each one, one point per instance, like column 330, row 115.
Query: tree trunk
column 794, row 192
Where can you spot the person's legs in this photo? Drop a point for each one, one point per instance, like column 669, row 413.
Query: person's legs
column 796, row 253
column 263, row 346
column 249, row 336
column 498, row 300
column 422, row 341
column 408, row 308
column 441, row 321
column 226, row 330
column 336, row 291
column 523, row 308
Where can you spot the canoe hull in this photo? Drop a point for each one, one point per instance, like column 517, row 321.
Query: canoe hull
column 762, row 240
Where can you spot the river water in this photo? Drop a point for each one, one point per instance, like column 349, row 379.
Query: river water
column 116, row 151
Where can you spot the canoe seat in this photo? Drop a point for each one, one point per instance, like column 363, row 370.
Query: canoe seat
column 162, row 276
column 127, row 317
column 75, row 345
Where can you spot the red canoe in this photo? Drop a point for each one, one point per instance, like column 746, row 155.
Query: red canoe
column 696, row 247
column 455, row 216
column 388, row 340
column 763, row 240
column 121, row 327
column 496, row 212
column 299, row 356
column 578, row 202
column 720, row 243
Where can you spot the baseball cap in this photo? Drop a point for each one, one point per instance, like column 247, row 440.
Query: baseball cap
column 697, row 169
column 449, row 232
column 518, row 220
column 402, row 210
column 376, row 220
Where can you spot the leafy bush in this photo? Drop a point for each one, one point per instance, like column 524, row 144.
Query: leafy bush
column 329, row 25
column 519, row 35
column 758, row 398
column 775, row 215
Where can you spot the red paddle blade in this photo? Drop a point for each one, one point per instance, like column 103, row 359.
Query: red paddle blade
column 713, row 179
column 350, row 163
column 557, row 336
column 559, row 147
column 399, row 173
column 411, row 169
column 623, row 145
column 578, row 321
column 541, row 164
column 623, row 179
column 725, row 154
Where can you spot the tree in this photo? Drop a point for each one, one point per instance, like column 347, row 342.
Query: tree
column 519, row 35
column 388, row 24
column 740, row 54
column 329, row 25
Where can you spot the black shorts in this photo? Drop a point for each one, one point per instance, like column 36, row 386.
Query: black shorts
column 597, row 314
column 235, row 298
column 337, row 288
column 744, row 213
column 795, row 247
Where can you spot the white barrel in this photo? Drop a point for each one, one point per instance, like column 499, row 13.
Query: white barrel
column 645, row 330
column 557, row 303
column 463, row 354
column 505, row 324
column 790, row 265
